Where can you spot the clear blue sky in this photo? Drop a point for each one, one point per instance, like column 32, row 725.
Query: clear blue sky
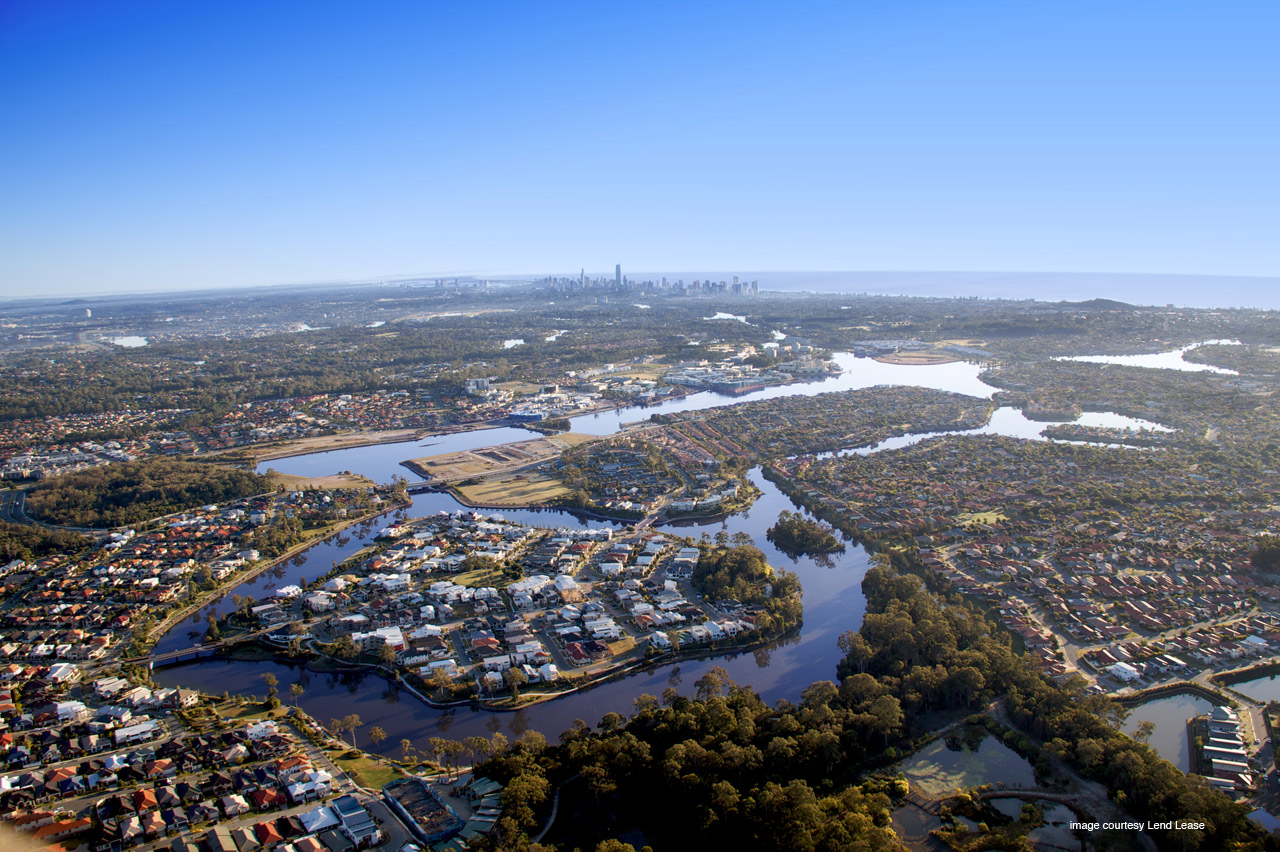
column 155, row 145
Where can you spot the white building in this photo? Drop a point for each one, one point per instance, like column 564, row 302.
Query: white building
column 1124, row 672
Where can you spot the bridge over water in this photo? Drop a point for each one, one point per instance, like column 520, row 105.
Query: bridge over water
column 201, row 649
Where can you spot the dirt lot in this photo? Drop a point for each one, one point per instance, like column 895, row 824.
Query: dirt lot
column 927, row 356
column 494, row 460
column 331, row 442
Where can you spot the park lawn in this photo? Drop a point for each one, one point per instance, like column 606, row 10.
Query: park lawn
column 519, row 490
column 622, row 646
column 247, row 712
column 981, row 517
column 337, row 480
column 367, row 772
column 518, row 388
column 650, row 372
column 480, row 577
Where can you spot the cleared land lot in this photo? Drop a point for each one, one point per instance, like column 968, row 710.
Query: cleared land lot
column 494, row 460
column 324, row 443
column 514, row 490
column 924, row 356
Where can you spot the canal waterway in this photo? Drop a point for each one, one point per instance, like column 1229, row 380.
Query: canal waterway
column 833, row 603
column 833, row 600
column 1012, row 423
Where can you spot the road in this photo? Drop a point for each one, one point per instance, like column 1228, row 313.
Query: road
column 395, row 832
column 1257, row 722
column 10, row 499
column 13, row 509
column 1071, row 650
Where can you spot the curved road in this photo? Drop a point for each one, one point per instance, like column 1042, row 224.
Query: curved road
column 13, row 510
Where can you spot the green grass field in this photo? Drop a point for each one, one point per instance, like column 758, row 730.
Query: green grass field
column 367, row 772
column 531, row 490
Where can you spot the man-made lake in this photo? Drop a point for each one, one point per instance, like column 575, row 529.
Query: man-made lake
column 943, row 768
column 1056, row 831
column 381, row 462
column 1170, row 716
column 833, row 601
column 1265, row 688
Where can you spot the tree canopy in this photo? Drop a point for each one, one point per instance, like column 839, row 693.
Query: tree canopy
column 132, row 492
column 795, row 534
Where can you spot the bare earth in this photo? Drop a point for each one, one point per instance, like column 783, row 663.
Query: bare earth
column 503, row 458
column 342, row 441
column 928, row 356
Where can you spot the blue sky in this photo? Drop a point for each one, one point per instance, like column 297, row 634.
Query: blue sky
column 156, row 145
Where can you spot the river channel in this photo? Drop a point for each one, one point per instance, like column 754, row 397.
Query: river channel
column 833, row 600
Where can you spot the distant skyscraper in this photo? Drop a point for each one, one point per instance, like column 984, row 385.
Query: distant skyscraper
column 617, row 276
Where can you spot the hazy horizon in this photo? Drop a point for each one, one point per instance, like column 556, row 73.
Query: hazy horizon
column 1139, row 289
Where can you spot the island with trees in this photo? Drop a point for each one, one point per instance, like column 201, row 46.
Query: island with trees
column 793, row 533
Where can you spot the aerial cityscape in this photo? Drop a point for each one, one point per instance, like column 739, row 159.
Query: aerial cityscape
column 447, row 428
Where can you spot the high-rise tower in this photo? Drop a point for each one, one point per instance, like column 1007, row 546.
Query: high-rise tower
column 617, row 276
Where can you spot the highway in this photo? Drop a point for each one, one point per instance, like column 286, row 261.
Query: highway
column 13, row 510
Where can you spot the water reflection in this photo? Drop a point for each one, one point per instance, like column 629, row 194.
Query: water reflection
column 1171, row 360
column 1170, row 717
column 833, row 603
column 945, row 766
column 1265, row 688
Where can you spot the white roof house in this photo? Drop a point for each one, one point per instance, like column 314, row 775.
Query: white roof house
column 1124, row 672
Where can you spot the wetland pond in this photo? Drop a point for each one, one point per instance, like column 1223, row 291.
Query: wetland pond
column 948, row 765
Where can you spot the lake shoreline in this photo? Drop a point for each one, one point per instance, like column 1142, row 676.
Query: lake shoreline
column 260, row 651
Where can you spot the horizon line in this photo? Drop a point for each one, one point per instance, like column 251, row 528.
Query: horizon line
column 403, row 278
